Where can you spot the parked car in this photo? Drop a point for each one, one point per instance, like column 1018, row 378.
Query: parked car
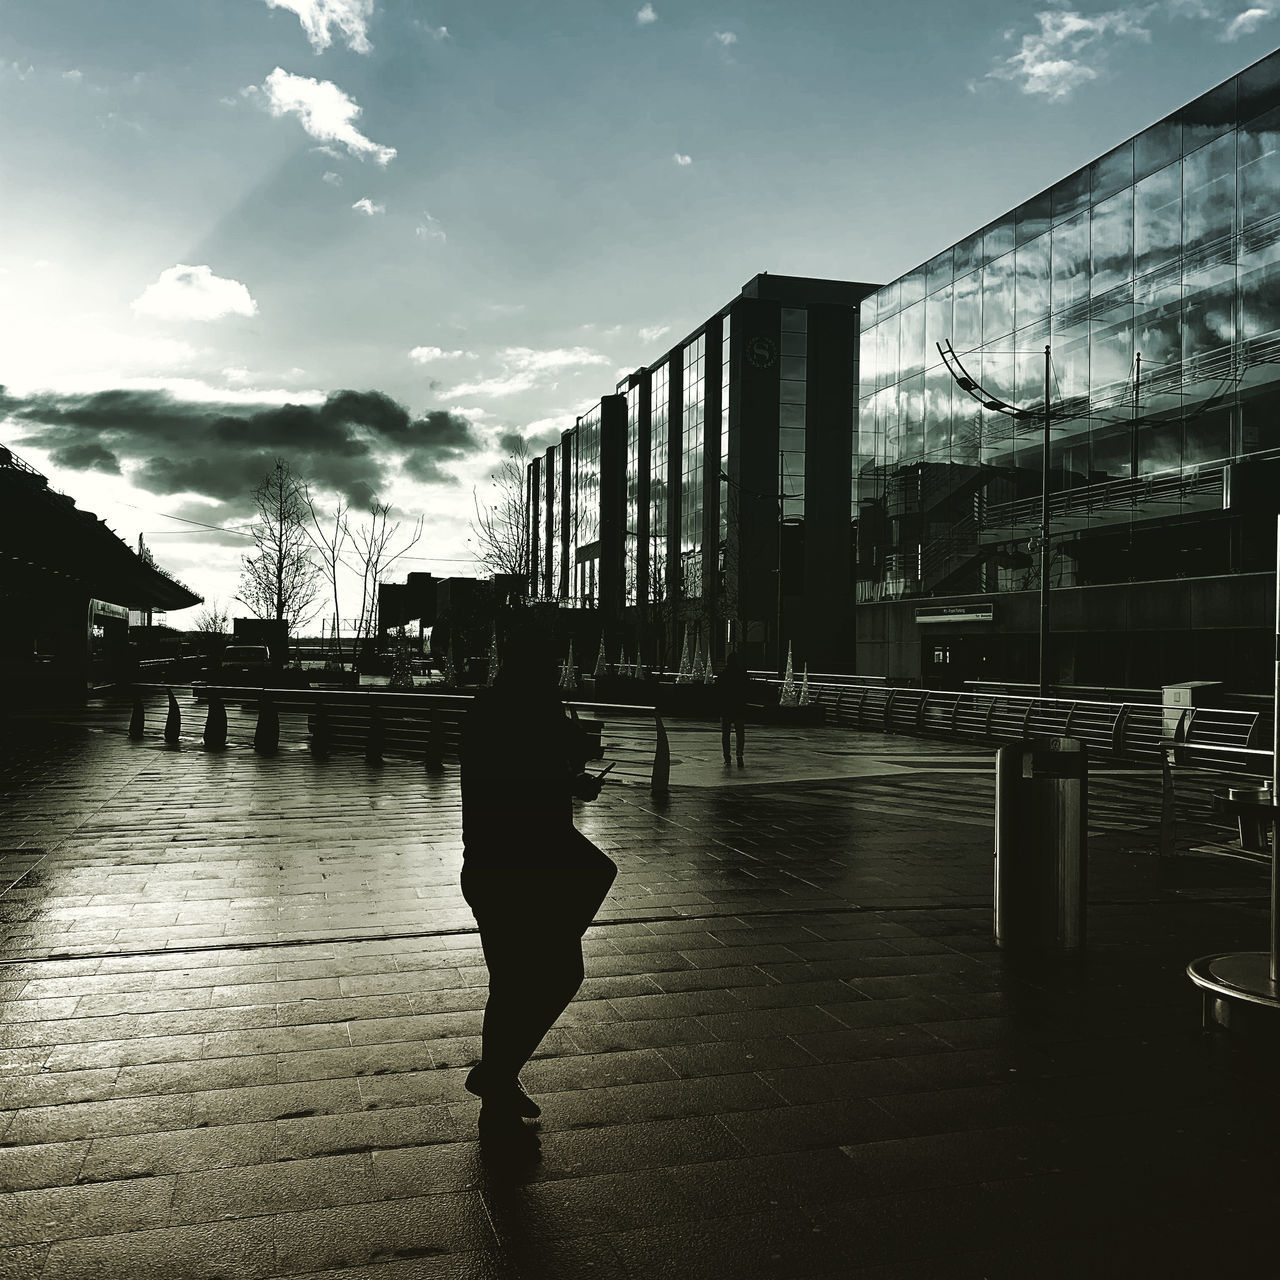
column 243, row 664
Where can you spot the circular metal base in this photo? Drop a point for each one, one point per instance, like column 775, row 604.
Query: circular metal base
column 1239, row 994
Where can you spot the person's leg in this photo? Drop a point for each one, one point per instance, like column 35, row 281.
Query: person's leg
column 724, row 736
column 740, row 725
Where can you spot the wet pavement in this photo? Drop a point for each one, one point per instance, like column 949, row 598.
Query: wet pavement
column 240, row 995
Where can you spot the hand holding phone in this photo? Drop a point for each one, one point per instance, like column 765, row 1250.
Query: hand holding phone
column 600, row 775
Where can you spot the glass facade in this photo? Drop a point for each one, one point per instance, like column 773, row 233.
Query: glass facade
column 584, row 537
column 659, row 472
column 554, row 524
column 691, row 466
column 636, row 517
column 1151, row 275
column 792, row 391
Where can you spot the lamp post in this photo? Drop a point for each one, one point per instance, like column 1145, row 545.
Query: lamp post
column 988, row 401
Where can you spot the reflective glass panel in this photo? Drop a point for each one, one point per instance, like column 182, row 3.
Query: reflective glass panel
column 1157, row 323
column 1157, row 219
column 997, row 238
column 1208, row 314
column 1260, row 291
column 1070, row 262
column 997, row 298
column 1259, row 144
column 937, row 323
column 911, row 418
column 1112, row 172
column 1111, row 356
column 1111, row 242
column 1156, row 147
column 1208, row 117
column 938, row 386
column 792, row 367
column 968, row 312
column 912, row 287
column 791, row 439
column 968, row 253
column 1209, row 192
column 1028, row 388
column 1031, row 297
column 1069, row 363
column 794, row 320
column 911, row 350
column 791, row 391
column 938, row 271
column 1069, row 196
column 793, row 344
column 1032, row 218
column 1259, row 88
column 887, row 351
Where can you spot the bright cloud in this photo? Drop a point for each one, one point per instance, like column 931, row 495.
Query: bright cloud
column 651, row 333
column 368, row 207
column 1062, row 55
column 75, row 75
column 194, row 293
column 333, row 179
column 682, row 161
column 425, row 355
column 429, row 229
column 646, row 16
column 524, row 368
column 320, row 18
column 726, row 38
column 323, row 110
column 1247, row 22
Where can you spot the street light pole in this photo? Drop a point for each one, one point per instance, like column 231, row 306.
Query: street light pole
column 782, row 516
column 1044, row 539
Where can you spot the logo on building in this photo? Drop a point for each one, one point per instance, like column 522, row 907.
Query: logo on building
column 762, row 352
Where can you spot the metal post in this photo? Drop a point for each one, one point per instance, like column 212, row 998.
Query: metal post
column 782, row 511
column 1044, row 538
column 1274, row 972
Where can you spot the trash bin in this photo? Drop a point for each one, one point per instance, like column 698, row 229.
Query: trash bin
column 1254, row 828
column 1040, row 854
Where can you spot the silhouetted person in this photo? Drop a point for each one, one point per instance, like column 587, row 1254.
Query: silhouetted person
column 731, row 686
column 532, row 880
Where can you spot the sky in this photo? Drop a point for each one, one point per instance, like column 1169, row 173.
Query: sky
column 386, row 240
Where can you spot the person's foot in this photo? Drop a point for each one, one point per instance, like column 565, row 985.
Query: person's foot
column 740, row 762
column 503, row 1096
column 726, row 759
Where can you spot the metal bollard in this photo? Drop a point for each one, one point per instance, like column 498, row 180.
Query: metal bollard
column 137, row 720
column 173, row 722
column 215, row 724
column 376, row 738
column 1254, row 830
column 266, row 738
column 435, row 743
column 659, row 783
column 321, row 732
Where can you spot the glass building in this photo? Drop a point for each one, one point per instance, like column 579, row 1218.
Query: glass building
column 1152, row 278
column 726, row 518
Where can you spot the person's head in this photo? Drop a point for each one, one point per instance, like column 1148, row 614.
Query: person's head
column 528, row 662
column 735, row 662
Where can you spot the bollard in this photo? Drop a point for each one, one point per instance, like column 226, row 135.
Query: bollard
column 435, row 743
column 321, row 733
column 376, row 735
column 659, row 783
column 173, row 721
column 137, row 720
column 266, row 738
column 215, row 725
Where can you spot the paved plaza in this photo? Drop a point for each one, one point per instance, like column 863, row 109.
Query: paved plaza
column 240, row 995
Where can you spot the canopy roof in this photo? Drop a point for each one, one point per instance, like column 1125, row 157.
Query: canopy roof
column 44, row 535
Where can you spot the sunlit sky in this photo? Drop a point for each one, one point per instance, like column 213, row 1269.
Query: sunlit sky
column 435, row 226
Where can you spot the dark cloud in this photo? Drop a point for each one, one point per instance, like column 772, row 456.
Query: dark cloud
column 87, row 457
column 350, row 444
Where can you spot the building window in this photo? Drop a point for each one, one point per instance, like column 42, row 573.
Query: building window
column 691, row 466
column 792, row 410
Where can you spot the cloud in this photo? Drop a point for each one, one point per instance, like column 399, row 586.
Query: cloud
column 682, row 160
column 319, row 17
column 726, row 38
column 436, row 33
column 367, row 206
column 194, row 293
column 425, row 355
column 651, row 333
column 1062, row 55
column 429, row 229
column 354, row 442
column 333, row 179
column 645, row 16
column 1247, row 22
column 323, row 110
column 524, row 368
column 75, row 75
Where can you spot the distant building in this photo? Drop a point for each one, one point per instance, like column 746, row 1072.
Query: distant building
column 670, row 504
column 67, row 584
column 1153, row 277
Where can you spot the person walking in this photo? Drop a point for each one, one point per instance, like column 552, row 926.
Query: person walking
column 532, row 880
column 732, row 685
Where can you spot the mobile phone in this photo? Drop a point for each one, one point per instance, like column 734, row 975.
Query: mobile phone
column 600, row 775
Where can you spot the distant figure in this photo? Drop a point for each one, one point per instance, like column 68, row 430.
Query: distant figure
column 532, row 880
column 732, row 684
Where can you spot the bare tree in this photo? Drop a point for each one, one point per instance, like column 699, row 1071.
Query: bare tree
column 376, row 552
column 500, row 527
column 214, row 619
column 328, row 540
column 279, row 580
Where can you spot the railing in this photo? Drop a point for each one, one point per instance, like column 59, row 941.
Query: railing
column 424, row 726
column 1207, row 738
